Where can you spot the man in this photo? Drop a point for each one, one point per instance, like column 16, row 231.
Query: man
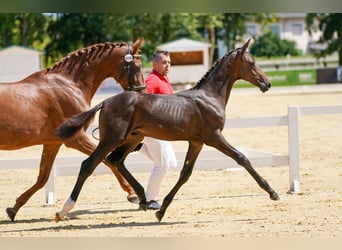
column 159, row 151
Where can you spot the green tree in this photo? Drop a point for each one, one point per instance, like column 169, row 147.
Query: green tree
column 234, row 28
column 7, row 25
column 270, row 45
column 71, row 31
column 211, row 24
column 31, row 28
column 158, row 28
column 235, row 25
column 25, row 29
column 331, row 27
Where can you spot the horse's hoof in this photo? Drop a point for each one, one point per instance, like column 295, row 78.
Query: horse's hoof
column 11, row 213
column 133, row 198
column 57, row 218
column 143, row 206
column 159, row 215
column 274, row 196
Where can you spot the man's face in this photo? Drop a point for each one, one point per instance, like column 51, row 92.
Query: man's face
column 162, row 65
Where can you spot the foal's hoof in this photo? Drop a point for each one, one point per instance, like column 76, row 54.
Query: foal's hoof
column 133, row 198
column 143, row 206
column 274, row 196
column 159, row 215
column 11, row 213
column 57, row 218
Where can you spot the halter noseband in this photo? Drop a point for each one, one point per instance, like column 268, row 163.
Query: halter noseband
column 129, row 59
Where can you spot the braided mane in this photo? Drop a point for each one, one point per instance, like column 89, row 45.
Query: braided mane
column 87, row 53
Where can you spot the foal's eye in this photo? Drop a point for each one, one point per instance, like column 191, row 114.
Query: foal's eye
column 249, row 61
column 246, row 59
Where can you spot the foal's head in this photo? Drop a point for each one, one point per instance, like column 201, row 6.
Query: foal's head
column 246, row 69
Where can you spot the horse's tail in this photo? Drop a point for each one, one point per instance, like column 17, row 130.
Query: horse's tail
column 76, row 122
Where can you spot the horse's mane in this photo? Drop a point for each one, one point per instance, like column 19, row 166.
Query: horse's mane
column 213, row 67
column 89, row 52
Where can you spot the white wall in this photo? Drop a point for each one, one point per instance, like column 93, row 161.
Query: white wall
column 187, row 73
column 17, row 63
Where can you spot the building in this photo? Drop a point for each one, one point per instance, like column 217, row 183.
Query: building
column 189, row 60
column 17, row 62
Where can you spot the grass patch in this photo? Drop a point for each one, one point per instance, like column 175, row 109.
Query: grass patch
column 286, row 78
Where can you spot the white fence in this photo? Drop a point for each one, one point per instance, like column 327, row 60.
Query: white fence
column 292, row 121
column 208, row 159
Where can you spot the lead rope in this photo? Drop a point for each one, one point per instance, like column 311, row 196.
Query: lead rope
column 99, row 106
column 93, row 135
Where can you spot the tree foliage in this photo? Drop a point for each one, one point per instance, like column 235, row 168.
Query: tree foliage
column 158, row 28
column 331, row 27
column 7, row 25
column 61, row 33
column 270, row 45
column 24, row 29
column 71, row 31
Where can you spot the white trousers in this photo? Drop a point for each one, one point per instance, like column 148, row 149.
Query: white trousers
column 163, row 157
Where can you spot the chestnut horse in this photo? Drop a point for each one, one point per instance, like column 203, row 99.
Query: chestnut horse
column 196, row 115
column 32, row 109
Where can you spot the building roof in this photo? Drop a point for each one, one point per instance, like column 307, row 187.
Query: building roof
column 291, row 15
column 22, row 49
column 184, row 44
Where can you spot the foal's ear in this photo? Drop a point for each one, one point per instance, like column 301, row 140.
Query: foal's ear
column 137, row 44
column 245, row 46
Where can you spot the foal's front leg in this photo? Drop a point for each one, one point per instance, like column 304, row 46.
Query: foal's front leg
column 87, row 168
column 220, row 143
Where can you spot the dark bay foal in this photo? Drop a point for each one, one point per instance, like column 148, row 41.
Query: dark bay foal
column 196, row 115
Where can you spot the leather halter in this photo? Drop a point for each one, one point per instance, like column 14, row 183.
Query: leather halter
column 129, row 57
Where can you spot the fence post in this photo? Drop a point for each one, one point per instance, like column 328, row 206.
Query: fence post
column 50, row 192
column 293, row 144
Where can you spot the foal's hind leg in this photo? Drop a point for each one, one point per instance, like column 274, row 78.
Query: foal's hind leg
column 220, row 143
column 117, row 158
column 83, row 144
column 189, row 162
column 48, row 156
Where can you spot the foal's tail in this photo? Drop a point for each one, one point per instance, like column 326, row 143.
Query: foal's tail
column 76, row 122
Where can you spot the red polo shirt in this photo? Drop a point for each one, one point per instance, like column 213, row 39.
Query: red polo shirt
column 158, row 84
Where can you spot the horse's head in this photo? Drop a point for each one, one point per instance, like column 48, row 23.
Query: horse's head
column 249, row 71
column 132, row 76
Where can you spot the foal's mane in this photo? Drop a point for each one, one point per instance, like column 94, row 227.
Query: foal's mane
column 87, row 53
column 213, row 67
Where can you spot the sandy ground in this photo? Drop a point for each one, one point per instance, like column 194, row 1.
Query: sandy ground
column 212, row 203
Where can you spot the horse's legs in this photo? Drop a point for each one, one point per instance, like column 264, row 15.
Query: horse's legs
column 220, row 143
column 189, row 162
column 87, row 168
column 83, row 144
column 48, row 156
column 117, row 158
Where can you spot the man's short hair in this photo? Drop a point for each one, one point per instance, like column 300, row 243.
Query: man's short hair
column 156, row 54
